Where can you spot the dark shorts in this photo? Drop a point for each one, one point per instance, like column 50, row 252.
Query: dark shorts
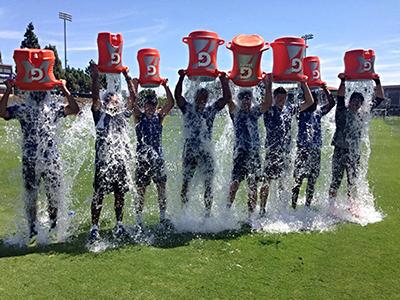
column 276, row 161
column 201, row 159
column 307, row 163
column 344, row 160
column 111, row 178
column 51, row 173
column 151, row 169
column 246, row 165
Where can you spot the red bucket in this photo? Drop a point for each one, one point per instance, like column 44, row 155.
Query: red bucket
column 149, row 66
column 311, row 67
column 110, row 52
column 288, row 55
column 203, row 47
column 359, row 64
column 35, row 69
column 247, row 51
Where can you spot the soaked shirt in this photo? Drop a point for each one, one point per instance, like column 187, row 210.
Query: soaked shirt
column 149, row 135
column 349, row 125
column 245, row 124
column 278, row 125
column 112, row 139
column 198, row 124
column 38, row 124
column 309, row 127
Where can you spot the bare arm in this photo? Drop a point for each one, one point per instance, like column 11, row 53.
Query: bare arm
column 96, row 103
column 341, row 91
column 226, row 91
column 72, row 107
column 180, row 100
column 4, row 101
column 308, row 98
column 170, row 100
column 331, row 101
column 379, row 93
column 132, row 104
column 267, row 103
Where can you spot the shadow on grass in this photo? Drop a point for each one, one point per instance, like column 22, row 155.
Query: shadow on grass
column 77, row 245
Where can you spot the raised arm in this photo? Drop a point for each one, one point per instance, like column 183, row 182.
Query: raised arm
column 267, row 103
column 379, row 93
column 72, row 107
column 4, row 100
column 226, row 91
column 180, row 100
column 331, row 101
column 308, row 98
column 133, row 85
column 170, row 100
column 94, row 72
column 341, row 91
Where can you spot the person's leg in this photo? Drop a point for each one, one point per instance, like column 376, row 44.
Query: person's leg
column 237, row 176
column 296, row 189
column 310, row 189
column 208, row 181
column 31, row 186
column 160, row 179
column 119, row 206
column 338, row 168
column 264, row 192
column 52, row 183
column 139, row 204
column 252, row 193
column 352, row 166
column 189, row 167
column 232, row 192
column 96, row 206
column 162, row 199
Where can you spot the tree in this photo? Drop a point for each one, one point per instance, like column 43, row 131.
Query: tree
column 31, row 40
column 57, row 70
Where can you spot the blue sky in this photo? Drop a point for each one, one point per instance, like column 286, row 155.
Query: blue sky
column 337, row 26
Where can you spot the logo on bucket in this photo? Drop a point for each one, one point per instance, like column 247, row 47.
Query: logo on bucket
column 36, row 74
column 295, row 56
column 204, row 59
column 115, row 55
column 246, row 66
column 246, row 72
column 151, row 70
column 315, row 75
column 366, row 65
column 115, row 58
column 204, row 49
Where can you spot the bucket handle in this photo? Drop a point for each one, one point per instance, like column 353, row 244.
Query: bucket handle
column 221, row 42
column 229, row 45
column 265, row 47
column 185, row 39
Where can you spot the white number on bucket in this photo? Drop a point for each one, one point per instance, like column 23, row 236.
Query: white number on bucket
column 367, row 66
column 315, row 75
column 151, row 70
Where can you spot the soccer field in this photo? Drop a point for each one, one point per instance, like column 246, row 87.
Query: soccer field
column 350, row 262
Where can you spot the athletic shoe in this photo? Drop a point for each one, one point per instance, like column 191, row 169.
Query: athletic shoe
column 94, row 235
column 119, row 232
column 167, row 225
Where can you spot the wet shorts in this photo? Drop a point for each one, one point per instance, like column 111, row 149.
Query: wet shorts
column 246, row 165
column 150, row 169
column 276, row 161
column 307, row 163
column 344, row 160
column 111, row 178
column 193, row 159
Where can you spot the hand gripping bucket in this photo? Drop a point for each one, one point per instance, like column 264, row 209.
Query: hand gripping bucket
column 203, row 47
column 288, row 55
column 149, row 67
column 247, row 51
column 359, row 64
column 35, row 69
column 110, row 52
column 311, row 66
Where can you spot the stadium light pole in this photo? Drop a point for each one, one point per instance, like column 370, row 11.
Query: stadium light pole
column 66, row 17
column 307, row 37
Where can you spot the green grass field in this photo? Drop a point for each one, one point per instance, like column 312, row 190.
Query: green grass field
column 351, row 262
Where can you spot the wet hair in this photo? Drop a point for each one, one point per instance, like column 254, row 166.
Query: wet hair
column 243, row 93
column 356, row 96
column 280, row 90
column 107, row 97
column 37, row 96
column 148, row 96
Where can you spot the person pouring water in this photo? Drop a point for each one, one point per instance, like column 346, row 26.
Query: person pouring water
column 38, row 117
column 198, row 120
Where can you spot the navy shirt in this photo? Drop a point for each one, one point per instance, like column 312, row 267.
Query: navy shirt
column 112, row 139
column 149, row 134
column 198, row 124
column 349, row 125
column 38, row 124
column 246, row 129
column 278, row 125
